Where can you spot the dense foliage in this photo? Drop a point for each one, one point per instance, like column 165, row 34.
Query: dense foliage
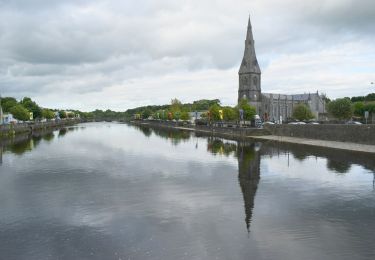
column 176, row 110
column 249, row 111
column 302, row 112
column 20, row 113
column 31, row 106
column 340, row 108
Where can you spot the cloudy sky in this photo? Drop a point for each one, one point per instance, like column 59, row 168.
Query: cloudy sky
column 118, row 54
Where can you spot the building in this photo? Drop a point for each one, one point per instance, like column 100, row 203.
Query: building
column 9, row 119
column 270, row 106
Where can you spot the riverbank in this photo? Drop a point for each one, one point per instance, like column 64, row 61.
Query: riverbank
column 11, row 130
column 269, row 134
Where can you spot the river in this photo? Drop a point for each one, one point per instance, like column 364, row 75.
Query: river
column 114, row 191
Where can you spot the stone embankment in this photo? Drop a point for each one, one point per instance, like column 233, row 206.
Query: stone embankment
column 228, row 132
column 359, row 138
column 360, row 134
column 11, row 130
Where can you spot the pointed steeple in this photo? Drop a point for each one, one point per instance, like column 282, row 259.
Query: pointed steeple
column 249, row 62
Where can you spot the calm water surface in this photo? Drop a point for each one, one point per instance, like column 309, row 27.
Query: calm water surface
column 112, row 191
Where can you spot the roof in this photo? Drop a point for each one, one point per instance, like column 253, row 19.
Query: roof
column 295, row 97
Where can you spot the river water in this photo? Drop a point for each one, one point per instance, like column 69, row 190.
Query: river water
column 113, row 191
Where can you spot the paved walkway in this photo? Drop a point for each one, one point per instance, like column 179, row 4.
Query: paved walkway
column 321, row 143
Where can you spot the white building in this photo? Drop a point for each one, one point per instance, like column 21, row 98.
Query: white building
column 8, row 119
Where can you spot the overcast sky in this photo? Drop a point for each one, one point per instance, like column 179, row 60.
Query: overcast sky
column 119, row 54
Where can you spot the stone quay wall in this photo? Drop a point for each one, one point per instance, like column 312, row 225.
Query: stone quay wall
column 221, row 131
column 362, row 134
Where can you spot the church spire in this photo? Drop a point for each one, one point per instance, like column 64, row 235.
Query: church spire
column 249, row 62
column 249, row 34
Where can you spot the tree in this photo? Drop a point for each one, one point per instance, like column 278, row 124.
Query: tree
column 7, row 103
column 204, row 104
column 302, row 112
column 249, row 111
column 175, row 105
column 32, row 107
column 357, row 99
column 48, row 114
column 70, row 115
column 146, row 113
column 62, row 114
column 20, row 113
column 185, row 116
column 229, row 114
column 341, row 108
column 358, row 108
column 370, row 97
column 370, row 106
column 214, row 112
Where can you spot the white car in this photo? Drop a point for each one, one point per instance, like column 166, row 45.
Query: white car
column 353, row 123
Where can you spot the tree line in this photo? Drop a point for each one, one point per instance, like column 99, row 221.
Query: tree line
column 346, row 108
column 342, row 108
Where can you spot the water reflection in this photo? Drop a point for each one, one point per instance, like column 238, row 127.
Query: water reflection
column 23, row 143
column 339, row 161
column 250, row 153
column 176, row 136
column 248, row 156
column 156, row 194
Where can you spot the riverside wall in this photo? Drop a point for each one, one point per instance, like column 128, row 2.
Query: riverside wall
column 226, row 132
column 10, row 130
column 362, row 134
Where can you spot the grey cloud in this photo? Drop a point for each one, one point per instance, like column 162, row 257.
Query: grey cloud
column 91, row 46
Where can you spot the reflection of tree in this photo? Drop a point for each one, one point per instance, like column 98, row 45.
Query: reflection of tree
column 20, row 148
column 144, row 129
column 248, row 177
column 218, row 146
column 339, row 161
column 338, row 166
column 62, row 132
column 24, row 143
column 176, row 136
column 48, row 137
column 300, row 154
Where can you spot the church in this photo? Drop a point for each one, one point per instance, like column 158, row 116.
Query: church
column 270, row 106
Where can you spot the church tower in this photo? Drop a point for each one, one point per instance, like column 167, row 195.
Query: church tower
column 250, row 74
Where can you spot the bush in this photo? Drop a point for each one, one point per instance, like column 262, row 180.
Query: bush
column 249, row 111
column 185, row 116
column 229, row 114
column 302, row 112
column 214, row 112
column 20, row 113
column 341, row 108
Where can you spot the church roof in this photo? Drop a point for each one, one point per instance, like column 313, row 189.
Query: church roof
column 249, row 62
column 295, row 97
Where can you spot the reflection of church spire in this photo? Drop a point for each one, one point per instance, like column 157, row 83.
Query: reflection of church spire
column 248, row 177
column 1, row 154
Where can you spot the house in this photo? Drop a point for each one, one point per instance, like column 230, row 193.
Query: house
column 8, row 119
